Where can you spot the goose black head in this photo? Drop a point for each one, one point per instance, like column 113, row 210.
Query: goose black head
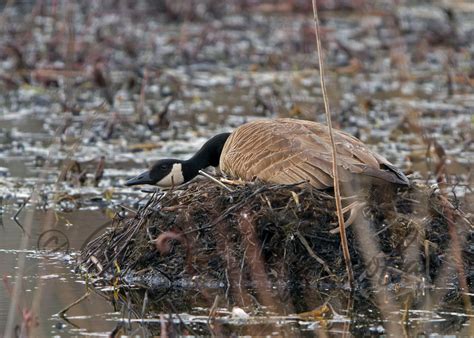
column 164, row 173
column 171, row 172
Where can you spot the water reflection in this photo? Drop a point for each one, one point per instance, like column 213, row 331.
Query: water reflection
column 45, row 279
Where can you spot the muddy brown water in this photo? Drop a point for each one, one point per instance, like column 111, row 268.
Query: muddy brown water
column 43, row 265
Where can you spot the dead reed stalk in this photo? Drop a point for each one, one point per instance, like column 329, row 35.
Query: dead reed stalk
column 337, row 191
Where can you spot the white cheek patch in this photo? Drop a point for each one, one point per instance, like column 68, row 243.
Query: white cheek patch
column 175, row 177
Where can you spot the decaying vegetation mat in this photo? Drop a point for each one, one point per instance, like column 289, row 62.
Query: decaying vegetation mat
column 281, row 235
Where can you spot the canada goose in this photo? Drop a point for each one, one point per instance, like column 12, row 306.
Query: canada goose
column 278, row 151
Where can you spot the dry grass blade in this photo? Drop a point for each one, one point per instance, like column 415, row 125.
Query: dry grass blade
column 337, row 190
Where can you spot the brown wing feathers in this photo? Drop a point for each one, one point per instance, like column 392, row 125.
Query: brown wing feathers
column 291, row 151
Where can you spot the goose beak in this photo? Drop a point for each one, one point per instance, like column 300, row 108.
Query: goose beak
column 143, row 178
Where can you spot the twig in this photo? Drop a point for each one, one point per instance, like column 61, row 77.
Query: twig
column 313, row 254
column 354, row 208
column 129, row 209
column 337, row 192
column 15, row 217
column 215, row 180
column 62, row 313
column 212, row 313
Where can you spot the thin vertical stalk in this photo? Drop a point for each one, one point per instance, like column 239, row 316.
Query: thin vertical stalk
column 337, row 191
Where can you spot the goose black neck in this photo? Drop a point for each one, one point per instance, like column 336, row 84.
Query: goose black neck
column 208, row 155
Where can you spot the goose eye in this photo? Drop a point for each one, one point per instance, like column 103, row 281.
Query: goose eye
column 164, row 166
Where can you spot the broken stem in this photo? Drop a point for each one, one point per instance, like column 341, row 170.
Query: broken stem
column 62, row 313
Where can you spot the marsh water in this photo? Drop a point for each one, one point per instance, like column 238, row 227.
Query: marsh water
column 93, row 95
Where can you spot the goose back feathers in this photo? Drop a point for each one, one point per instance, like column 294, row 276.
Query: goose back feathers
column 290, row 151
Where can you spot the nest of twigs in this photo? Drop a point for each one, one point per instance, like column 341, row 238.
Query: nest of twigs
column 275, row 234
